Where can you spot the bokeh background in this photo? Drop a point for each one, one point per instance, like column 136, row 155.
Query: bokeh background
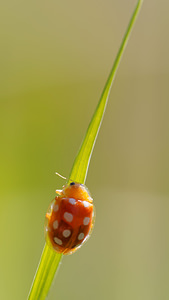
column 55, row 58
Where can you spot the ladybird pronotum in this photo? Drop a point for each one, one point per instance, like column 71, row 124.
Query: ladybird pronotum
column 69, row 219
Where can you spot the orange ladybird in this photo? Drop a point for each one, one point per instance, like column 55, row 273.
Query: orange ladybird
column 70, row 218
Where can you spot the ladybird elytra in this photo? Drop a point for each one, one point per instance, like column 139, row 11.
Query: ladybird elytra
column 69, row 219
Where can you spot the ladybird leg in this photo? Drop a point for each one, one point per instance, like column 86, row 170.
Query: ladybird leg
column 59, row 192
column 48, row 216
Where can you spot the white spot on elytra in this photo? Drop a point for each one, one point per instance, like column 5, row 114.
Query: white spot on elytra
column 86, row 220
column 81, row 236
column 66, row 233
column 72, row 201
column 85, row 203
column 56, row 207
column 57, row 241
column 55, row 224
column 68, row 217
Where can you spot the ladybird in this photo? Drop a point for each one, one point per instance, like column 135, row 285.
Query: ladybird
column 69, row 219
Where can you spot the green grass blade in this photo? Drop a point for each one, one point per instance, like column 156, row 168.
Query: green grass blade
column 81, row 163
column 50, row 260
column 46, row 270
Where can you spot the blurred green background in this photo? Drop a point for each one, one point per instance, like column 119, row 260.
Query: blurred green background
column 55, row 58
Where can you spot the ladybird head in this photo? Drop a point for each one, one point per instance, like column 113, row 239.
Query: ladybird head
column 77, row 191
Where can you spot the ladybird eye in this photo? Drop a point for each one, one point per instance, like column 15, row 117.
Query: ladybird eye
column 72, row 183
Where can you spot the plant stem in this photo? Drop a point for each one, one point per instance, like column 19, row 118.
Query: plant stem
column 80, row 166
column 45, row 273
column 50, row 260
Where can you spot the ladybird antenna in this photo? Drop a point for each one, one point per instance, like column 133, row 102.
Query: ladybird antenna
column 60, row 175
